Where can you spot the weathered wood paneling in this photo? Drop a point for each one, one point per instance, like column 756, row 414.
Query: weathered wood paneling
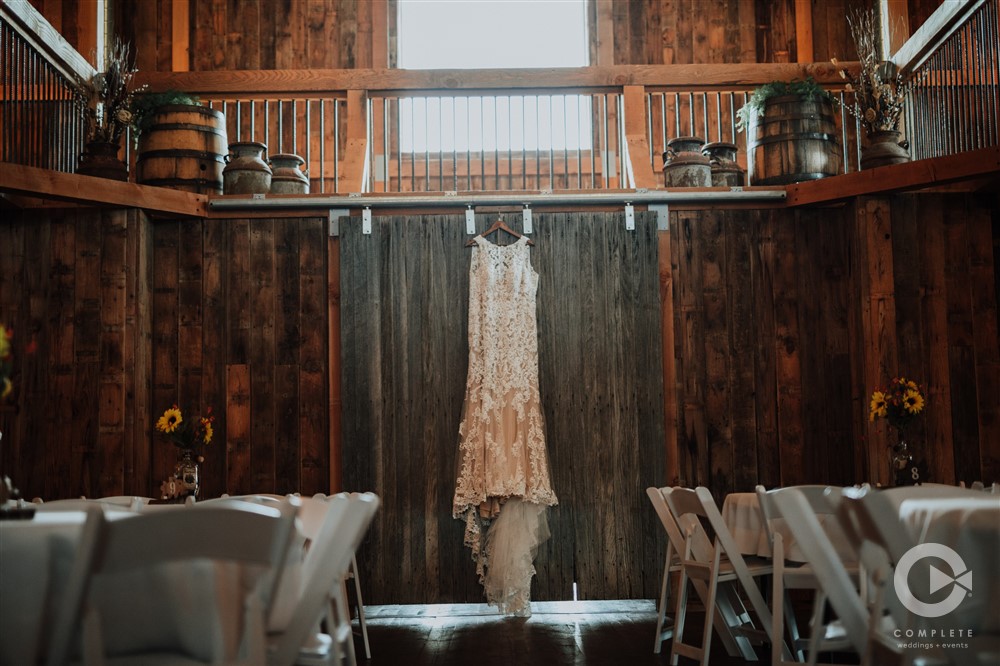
column 405, row 303
column 784, row 320
column 236, row 330
column 67, row 286
column 655, row 32
column 254, row 34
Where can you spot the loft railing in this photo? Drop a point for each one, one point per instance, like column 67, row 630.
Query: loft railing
column 39, row 123
column 592, row 128
column 953, row 58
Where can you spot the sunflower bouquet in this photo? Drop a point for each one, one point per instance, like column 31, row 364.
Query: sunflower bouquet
column 190, row 434
column 899, row 403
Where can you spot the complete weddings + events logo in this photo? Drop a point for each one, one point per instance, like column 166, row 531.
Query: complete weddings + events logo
column 960, row 580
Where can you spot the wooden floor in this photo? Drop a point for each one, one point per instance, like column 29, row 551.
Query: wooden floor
column 590, row 633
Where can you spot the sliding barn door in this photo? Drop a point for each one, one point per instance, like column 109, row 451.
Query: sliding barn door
column 404, row 300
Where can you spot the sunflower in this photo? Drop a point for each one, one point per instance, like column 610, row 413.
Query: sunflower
column 206, row 425
column 913, row 402
column 879, row 406
column 6, row 335
column 170, row 420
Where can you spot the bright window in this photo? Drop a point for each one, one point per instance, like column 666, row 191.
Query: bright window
column 493, row 34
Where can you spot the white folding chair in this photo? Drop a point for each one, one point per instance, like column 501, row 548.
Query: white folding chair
column 671, row 565
column 329, row 558
column 83, row 505
column 827, row 567
column 725, row 616
column 882, row 540
column 142, row 547
column 353, row 574
column 790, row 575
column 721, row 567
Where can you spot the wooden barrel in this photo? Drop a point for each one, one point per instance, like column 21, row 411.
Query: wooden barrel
column 795, row 140
column 184, row 148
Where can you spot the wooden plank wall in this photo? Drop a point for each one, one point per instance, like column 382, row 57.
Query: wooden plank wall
column 240, row 325
column 786, row 320
column 761, row 321
column 294, row 34
column 131, row 316
column 254, row 34
column 75, row 283
column 945, row 275
column 405, row 303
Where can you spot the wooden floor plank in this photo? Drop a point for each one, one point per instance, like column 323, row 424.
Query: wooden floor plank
column 595, row 633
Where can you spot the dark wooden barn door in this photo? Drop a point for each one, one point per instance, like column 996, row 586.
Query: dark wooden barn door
column 404, row 299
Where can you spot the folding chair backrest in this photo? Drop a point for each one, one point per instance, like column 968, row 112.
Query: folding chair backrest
column 814, row 494
column 724, row 539
column 343, row 529
column 80, row 505
column 877, row 516
column 236, row 532
column 828, row 569
column 674, row 535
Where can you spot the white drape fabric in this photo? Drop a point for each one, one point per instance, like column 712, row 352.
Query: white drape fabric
column 503, row 485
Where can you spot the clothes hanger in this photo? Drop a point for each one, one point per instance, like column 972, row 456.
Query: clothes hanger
column 497, row 226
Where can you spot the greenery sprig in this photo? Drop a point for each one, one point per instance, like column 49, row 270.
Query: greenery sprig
column 806, row 89
column 146, row 104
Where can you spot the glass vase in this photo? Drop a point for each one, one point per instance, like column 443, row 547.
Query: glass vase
column 902, row 469
column 187, row 473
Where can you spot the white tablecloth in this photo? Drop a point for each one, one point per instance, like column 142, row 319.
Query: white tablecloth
column 180, row 605
column 742, row 515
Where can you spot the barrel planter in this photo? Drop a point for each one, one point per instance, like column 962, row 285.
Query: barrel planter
column 795, row 140
column 184, row 148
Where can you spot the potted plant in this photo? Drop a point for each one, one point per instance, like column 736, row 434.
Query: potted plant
column 106, row 104
column 879, row 92
column 791, row 133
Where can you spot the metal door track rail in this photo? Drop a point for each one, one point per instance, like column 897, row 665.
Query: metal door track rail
column 464, row 200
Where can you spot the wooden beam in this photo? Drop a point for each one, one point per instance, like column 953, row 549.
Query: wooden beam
column 73, row 187
column 605, row 34
column 876, row 338
column 88, row 35
column 334, row 366
column 180, row 35
column 897, row 177
column 663, row 77
column 635, row 137
column 803, row 31
column 45, row 39
column 354, row 167
column 895, row 25
column 380, row 34
column 935, row 30
column 669, row 362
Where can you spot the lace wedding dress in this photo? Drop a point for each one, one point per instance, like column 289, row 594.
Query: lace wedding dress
column 503, row 486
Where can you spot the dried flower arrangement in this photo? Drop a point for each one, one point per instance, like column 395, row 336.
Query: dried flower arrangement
column 106, row 101
column 880, row 88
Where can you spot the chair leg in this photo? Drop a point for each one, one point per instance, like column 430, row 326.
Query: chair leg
column 816, row 627
column 680, row 616
column 344, row 617
column 661, row 609
column 361, row 607
column 713, row 588
column 777, row 612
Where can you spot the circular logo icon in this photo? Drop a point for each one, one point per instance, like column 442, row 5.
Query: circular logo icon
column 959, row 579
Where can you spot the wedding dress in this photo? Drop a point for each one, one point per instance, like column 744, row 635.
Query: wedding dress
column 503, row 486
